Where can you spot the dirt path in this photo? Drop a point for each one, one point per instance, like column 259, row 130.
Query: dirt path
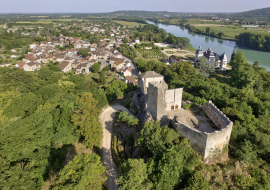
column 107, row 119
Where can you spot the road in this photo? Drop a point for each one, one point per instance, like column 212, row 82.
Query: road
column 107, row 119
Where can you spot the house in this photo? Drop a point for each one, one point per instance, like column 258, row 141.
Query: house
column 118, row 55
column 126, row 72
column 31, row 66
column 174, row 59
column 137, row 40
column 118, row 63
column 32, row 46
column 5, row 64
column 131, row 80
column 60, row 57
column 65, row 66
column 20, row 65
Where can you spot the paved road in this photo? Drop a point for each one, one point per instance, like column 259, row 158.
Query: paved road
column 107, row 119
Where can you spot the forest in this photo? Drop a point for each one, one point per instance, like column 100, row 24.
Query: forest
column 42, row 114
column 255, row 41
column 130, row 19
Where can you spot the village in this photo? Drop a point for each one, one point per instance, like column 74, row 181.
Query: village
column 66, row 51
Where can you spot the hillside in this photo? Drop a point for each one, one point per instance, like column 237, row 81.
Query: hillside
column 258, row 14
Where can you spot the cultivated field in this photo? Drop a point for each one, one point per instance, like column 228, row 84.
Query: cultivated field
column 128, row 23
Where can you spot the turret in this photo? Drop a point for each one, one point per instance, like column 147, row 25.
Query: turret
column 199, row 53
column 223, row 61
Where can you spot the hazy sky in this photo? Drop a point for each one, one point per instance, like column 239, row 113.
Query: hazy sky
column 90, row 6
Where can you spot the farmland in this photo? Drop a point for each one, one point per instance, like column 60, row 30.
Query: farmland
column 129, row 24
column 152, row 53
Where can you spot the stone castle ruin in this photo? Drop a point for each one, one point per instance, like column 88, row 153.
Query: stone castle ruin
column 207, row 128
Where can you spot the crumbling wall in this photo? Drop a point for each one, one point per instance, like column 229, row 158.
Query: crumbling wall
column 197, row 138
column 209, row 145
column 217, row 117
column 173, row 97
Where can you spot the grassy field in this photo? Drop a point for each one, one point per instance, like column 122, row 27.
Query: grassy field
column 229, row 29
column 95, row 76
column 128, row 23
column 40, row 22
column 169, row 52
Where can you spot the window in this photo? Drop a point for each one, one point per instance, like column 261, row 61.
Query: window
column 176, row 107
column 172, row 107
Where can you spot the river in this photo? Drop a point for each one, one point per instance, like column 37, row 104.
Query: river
column 218, row 45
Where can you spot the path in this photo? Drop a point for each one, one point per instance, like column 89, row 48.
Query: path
column 107, row 119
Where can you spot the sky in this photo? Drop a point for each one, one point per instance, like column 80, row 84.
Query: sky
column 96, row 6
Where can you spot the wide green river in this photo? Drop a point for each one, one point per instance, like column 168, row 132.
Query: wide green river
column 217, row 45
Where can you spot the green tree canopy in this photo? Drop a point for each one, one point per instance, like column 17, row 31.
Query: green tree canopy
column 133, row 175
column 95, row 68
column 86, row 118
column 204, row 67
column 84, row 172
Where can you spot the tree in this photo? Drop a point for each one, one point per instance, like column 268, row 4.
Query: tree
column 102, row 79
column 24, row 148
column 116, row 90
column 129, row 119
column 238, row 59
column 86, row 118
column 82, row 173
column 183, row 43
column 197, row 181
column 83, row 52
column 133, row 175
column 207, row 31
column 32, row 34
column 204, row 67
column 155, row 138
column 246, row 152
column 96, row 67
column 220, row 34
column 27, row 103
column 125, row 40
column 38, row 39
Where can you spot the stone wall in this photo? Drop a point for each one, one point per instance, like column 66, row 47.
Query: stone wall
column 197, row 138
column 217, row 117
column 209, row 145
column 173, row 98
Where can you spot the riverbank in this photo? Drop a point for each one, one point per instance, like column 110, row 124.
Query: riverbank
column 219, row 46
column 197, row 32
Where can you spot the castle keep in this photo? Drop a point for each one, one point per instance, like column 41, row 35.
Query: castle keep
column 207, row 128
column 159, row 98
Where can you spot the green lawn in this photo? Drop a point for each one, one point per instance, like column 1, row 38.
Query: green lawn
column 169, row 52
column 95, row 76
column 128, row 23
column 181, row 51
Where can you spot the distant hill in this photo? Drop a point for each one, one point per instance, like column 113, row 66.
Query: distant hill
column 137, row 14
column 258, row 14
